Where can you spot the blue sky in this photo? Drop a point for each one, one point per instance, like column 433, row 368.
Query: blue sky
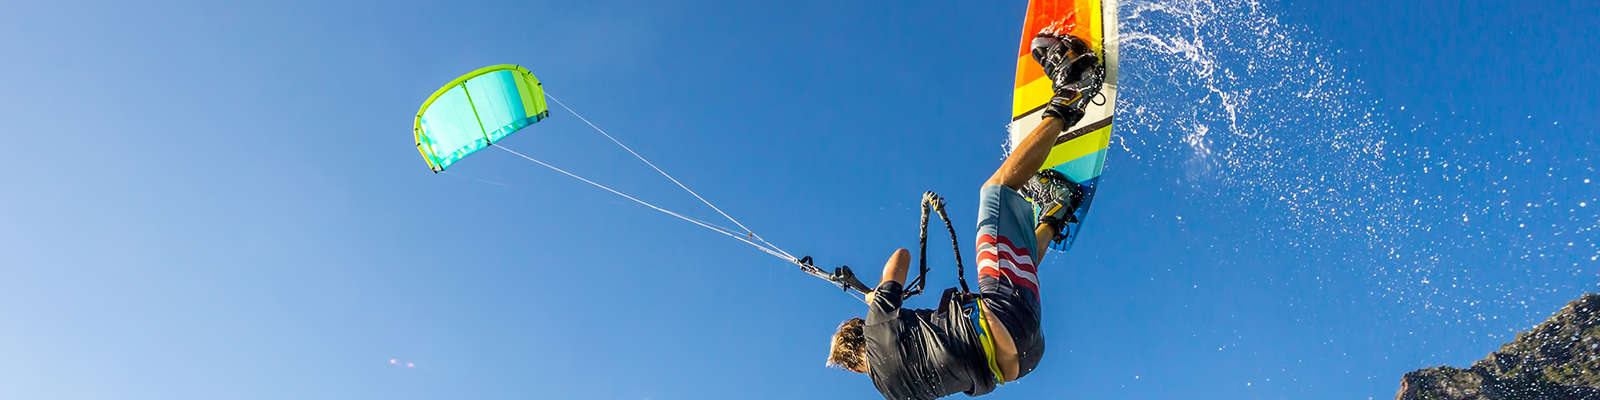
column 1307, row 200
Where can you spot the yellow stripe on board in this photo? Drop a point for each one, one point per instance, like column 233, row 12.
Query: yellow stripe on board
column 1031, row 95
column 1084, row 145
column 1036, row 93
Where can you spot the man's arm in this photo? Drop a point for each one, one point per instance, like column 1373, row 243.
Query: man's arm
column 895, row 269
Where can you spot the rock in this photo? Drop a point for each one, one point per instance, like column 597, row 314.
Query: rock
column 1557, row 360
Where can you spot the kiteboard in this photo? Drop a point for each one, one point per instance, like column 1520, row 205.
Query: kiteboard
column 1080, row 151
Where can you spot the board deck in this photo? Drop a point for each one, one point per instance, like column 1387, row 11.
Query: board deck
column 1080, row 151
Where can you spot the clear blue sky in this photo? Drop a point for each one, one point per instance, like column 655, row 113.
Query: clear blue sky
column 1308, row 200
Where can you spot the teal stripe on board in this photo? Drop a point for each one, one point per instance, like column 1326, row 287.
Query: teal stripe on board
column 1084, row 168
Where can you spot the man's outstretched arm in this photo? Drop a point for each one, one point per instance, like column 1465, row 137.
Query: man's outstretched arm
column 895, row 269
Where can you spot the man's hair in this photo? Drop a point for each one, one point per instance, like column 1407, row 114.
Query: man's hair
column 849, row 346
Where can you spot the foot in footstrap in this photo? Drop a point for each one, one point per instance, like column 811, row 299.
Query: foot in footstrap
column 1074, row 70
column 1055, row 201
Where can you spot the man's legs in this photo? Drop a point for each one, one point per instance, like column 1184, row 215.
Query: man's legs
column 1024, row 161
column 1028, row 156
column 1007, row 267
column 1042, row 235
column 1070, row 65
column 1007, row 270
column 1072, row 69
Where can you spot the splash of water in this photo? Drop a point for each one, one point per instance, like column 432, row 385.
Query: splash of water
column 1269, row 126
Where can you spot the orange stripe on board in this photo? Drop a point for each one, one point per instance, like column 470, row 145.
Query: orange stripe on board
column 1047, row 13
column 1081, row 20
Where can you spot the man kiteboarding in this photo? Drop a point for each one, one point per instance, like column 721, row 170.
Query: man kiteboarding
column 975, row 342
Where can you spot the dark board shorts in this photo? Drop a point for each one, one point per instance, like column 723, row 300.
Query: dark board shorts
column 1008, row 275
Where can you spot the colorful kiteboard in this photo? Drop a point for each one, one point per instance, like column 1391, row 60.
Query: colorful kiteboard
column 1080, row 152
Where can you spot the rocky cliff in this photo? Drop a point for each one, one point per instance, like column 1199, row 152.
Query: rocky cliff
column 1557, row 360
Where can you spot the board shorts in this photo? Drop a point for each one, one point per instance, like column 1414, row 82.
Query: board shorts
column 1007, row 273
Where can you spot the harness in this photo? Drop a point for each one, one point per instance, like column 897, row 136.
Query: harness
column 962, row 299
column 971, row 305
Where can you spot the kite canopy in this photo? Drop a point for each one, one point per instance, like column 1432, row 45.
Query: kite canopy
column 476, row 110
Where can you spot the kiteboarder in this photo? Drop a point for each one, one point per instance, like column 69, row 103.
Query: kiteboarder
column 975, row 342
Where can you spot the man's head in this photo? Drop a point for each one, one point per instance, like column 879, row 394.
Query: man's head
column 849, row 349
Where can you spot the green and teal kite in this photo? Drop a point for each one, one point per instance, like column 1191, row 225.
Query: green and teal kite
column 476, row 110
